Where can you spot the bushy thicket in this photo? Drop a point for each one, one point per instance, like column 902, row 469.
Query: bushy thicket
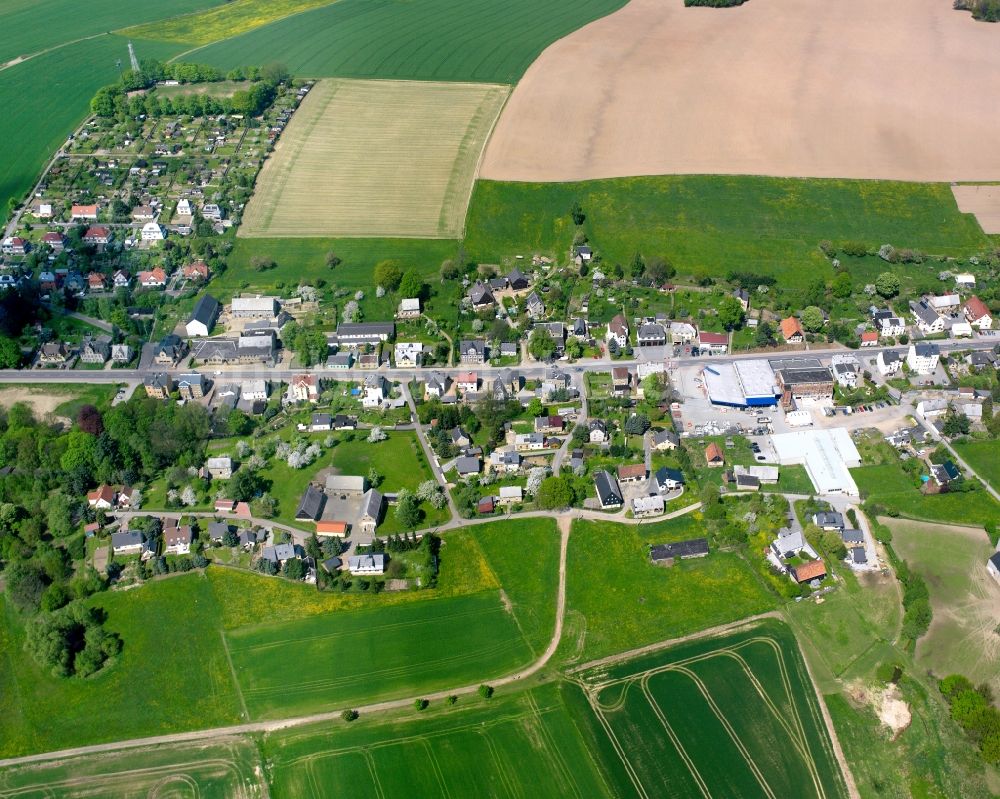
column 973, row 709
column 985, row 10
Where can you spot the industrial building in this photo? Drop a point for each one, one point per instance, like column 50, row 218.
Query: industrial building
column 802, row 378
column 828, row 456
column 743, row 384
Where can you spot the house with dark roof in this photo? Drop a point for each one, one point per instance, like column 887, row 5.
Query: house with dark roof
column 202, row 320
column 311, row 505
column 609, row 493
column 371, row 510
column 651, row 334
column 481, row 297
column 993, row 566
column 517, row 280
column 828, row 520
column 472, row 351
column 668, row 479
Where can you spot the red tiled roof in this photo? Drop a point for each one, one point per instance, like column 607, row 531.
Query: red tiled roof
column 869, row 335
column 332, row 528
column 713, row 453
column 809, row 571
column 975, row 308
column 631, row 471
column 791, row 327
column 713, row 338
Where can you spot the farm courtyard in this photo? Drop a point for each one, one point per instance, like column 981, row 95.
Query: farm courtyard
column 376, row 158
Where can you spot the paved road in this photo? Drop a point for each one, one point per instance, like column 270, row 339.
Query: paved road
column 428, row 452
column 100, row 324
column 529, row 370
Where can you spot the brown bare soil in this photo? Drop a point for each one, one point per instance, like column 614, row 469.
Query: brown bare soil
column 895, row 89
column 981, row 201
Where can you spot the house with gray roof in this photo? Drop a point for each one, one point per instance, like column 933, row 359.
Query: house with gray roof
column 206, row 312
column 609, row 493
column 311, row 505
column 371, row 510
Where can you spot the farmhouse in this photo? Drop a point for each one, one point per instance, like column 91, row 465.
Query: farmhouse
column 311, row 504
column 371, row 510
column 409, row 308
column 713, row 455
column 609, row 494
column 813, row 570
column 220, row 468
column 632, row 473
column 668, row 479
column 978, row 314
column 791, row 330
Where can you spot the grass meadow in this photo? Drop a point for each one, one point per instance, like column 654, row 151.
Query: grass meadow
column 618, row 600
column 31, row 26
column 35, row 124
column 376, row 158
column 525, row 743
column 330, row 661
column 744, row 699
column 965, row 599
column 710, row 225
column 461, row 40
column 889, row 485
column 172, row 674
column 222, row 21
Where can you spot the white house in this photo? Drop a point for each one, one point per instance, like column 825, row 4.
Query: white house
column 184, row 207
column 891, row 327
column 944, row 302
column 846, row 374
column 409, row 353
column 978, row 314
column 467, row 382
column 177, row 540
column 152, row 231
column 888, row 362
column 928, row 322
column 960, row 330
column 923, row 358
column 409, row 308
column 376, row 391
column 253, row 390
column 367, row 564
column 618, row 330
column 651, row 505
column 304, row 388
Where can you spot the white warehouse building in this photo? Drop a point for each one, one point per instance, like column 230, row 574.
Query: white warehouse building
column 828, row 456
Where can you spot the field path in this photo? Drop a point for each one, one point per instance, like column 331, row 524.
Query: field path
column 331, row 716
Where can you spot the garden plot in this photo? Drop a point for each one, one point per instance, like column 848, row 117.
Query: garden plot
column 376, row 158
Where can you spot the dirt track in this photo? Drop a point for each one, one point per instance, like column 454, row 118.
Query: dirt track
column 898, row 89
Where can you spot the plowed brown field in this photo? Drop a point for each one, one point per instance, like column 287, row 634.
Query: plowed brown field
column 894, row 89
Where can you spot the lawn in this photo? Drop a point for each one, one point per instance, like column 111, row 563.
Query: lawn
column 525, row 743
column 215, row 770
column 223, row 22
column 305, row 260
column 965, row 599
column 172, row 674
column 792, row 479
column 710, row 225
column 743, row 699
column 889, row 485
column 364, row 656
column 376, row 158
column 983, row 456
column 61, row 399
column 35, row 124
column 32, row 26
column 461, row 40
column 618, row 600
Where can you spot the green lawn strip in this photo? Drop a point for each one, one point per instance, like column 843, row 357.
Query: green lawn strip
column 171, row 676
column 430, row 40
column 519, row 743
column 707, row 224
column 524, row 555
column 373, row 654
column 792, row 479
column 983, row 456
column 628, row 602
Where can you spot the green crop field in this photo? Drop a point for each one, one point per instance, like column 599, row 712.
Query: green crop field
column 376, row 158
column 524, row 744
column 364, row 656
column 31, row 26
column 464, row 40
column 172, row 674
column 35, row 124
column 617, row 599
column 732, row 715
column 219, row 769
column 965, row 599
column 214, row 24
column 714, row 224
column 890, row 486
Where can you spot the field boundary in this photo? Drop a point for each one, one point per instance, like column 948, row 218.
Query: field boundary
column 232, row 673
